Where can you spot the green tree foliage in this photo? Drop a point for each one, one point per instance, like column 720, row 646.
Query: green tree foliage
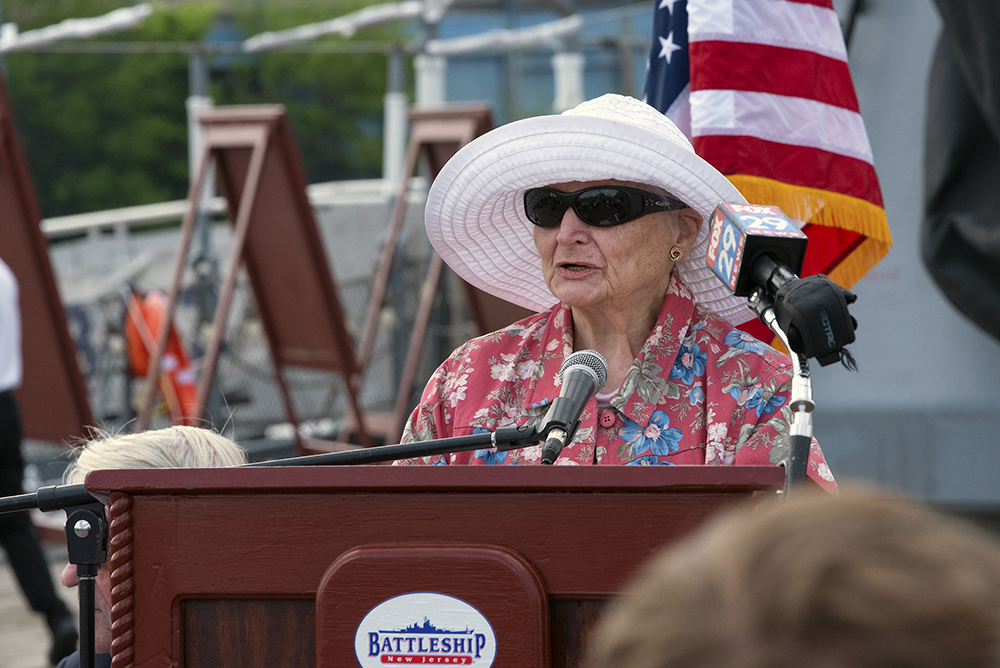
column 109, row 130
column 334, row 100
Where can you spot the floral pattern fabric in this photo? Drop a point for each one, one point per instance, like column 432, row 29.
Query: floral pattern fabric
column 700, row 392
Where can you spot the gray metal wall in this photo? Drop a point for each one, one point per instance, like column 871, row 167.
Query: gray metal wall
column 922, row 413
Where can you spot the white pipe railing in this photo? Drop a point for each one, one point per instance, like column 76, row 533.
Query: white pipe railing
column 146, row 215
column 120, row 19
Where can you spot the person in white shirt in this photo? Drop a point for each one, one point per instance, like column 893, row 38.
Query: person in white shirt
column 17, row 535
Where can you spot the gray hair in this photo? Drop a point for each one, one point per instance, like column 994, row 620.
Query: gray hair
column 860, row 580
column 173, row 447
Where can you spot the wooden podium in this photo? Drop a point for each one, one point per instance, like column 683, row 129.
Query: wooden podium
column 287, row 566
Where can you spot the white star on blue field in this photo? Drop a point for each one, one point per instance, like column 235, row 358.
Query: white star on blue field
column 668, row 68
column 667, row 47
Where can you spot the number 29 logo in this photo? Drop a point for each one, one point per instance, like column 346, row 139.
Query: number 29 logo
column 766, row 223
column 724, row 250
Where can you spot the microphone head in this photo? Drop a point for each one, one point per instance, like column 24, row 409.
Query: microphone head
column 592, row 360
column 741, row 233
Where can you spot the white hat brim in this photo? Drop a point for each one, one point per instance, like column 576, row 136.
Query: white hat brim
column 475, row 212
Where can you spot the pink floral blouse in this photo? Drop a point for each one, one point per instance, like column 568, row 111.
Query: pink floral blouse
column 700, row 392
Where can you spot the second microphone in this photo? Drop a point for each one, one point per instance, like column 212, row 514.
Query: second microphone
column 583, row 374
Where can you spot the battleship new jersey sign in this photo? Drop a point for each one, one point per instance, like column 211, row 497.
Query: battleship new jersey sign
column 425, row 628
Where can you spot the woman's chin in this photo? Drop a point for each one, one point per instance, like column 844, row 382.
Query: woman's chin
column 584, row 290
column 579, row 298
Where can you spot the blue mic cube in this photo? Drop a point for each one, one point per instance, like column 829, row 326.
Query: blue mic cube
column 741, row 233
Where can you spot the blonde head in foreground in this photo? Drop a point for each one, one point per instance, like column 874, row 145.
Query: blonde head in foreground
column 855, row 581
column 173, row 447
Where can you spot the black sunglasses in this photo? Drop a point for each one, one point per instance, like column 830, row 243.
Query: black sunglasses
column 600, row 206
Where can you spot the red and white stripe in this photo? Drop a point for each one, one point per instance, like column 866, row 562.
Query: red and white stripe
column 771, row 95
column 792, row 24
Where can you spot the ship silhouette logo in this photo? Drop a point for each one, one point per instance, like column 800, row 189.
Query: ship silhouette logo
column 425, row 628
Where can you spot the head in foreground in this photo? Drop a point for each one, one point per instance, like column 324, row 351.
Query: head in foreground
column 832, row 582
column 174, row 447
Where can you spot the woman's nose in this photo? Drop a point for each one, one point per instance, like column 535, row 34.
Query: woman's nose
column 69, row 577
column 572, row 229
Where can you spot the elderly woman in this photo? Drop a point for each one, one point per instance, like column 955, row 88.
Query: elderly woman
column 597, row 220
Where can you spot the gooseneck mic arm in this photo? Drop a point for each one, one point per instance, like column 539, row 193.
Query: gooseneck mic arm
column 86, row 541
column 504, row 438
column 56, row 497
column 800, row 430
column 584, row 374
column 809, row 315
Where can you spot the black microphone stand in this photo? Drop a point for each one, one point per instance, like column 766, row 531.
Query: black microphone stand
column 811, row 317
column 86, row 541
column 800, row 430
column 503, row 439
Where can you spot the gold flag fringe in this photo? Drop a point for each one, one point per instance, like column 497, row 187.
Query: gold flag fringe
column 823, row 207
column 859, row 262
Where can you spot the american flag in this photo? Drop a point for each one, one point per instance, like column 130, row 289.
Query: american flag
column 762, row 89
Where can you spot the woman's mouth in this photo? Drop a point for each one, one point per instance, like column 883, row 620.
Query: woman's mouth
column 573, row 268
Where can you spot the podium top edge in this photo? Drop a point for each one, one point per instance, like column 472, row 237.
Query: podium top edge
column 439, row 479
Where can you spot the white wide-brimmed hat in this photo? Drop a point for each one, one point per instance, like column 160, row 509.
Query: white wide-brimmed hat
column 475, row 208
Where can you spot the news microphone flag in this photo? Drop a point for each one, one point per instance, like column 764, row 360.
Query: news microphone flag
column 762, row 89
column 741, row 234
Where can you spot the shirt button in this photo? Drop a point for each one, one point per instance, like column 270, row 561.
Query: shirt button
column 608, row 419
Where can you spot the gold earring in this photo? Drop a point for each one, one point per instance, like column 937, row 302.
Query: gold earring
column 676, row 253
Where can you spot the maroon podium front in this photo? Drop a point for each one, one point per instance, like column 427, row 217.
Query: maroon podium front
column 374, row 565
